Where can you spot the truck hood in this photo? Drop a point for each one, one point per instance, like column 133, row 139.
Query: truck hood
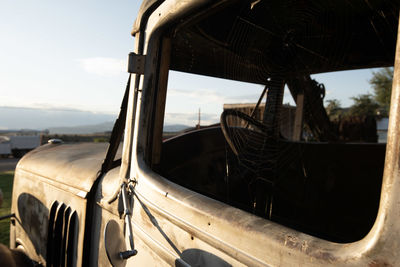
column 72, row 165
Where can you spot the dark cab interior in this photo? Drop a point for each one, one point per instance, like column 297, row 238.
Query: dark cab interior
column 320, row 183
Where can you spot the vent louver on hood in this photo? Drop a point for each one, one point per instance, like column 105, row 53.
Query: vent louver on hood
column 62, row 236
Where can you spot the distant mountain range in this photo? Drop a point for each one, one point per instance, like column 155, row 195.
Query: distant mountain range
column 41, row 119
column 175, row 128
column 104, row 127
column 83, row 129
column 62, row 121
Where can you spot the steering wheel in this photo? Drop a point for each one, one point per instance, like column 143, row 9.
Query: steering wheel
column 255, row 150
column 251, row 125
column 248, row 141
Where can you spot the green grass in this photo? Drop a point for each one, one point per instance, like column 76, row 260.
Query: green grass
column 6, row 184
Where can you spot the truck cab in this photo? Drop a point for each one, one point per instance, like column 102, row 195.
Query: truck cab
column 259, row 184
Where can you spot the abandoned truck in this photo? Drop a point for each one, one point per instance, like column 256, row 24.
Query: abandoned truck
column 258, row 188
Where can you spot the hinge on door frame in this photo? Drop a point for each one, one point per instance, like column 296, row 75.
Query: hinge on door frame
column 136, row 63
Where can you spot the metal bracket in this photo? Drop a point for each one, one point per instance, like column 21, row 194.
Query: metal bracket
column 12, row 215
column 127, row 217
column 136, row 63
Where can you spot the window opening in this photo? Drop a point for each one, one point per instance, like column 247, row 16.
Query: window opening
column 309, row 153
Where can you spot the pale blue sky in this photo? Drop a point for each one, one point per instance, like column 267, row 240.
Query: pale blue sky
column 72, row 55
column 188, row 93
column 65, row 54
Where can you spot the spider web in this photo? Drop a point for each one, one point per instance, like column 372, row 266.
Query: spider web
column 287, row 53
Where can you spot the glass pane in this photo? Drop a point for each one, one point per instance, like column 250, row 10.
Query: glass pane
column 276, row 109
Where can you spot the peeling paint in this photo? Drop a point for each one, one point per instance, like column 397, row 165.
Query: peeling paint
column 379, row 263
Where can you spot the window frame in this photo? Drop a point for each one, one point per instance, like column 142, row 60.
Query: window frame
column 280, row 245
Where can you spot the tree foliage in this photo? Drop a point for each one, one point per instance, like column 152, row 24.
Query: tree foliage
column 381, row 82
column 376, row 104
column 334, row 108
column 364, row 105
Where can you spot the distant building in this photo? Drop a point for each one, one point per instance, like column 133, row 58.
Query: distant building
column 382, row 128
column 5, row 146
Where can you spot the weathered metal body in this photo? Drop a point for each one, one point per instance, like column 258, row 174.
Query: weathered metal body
column 66, row 203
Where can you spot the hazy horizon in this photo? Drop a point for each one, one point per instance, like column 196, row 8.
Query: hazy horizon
column 60, row 120
column 79, row 65
column 45, row 118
